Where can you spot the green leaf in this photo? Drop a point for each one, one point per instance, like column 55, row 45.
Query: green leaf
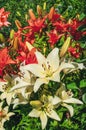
column 72, row 86
column 82, row 16
column 83, row 83
column 84, row 97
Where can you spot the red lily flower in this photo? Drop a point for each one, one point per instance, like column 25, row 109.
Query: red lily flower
column 27, row 57
column 60, row 26
column 29, row 37
column 72, row 28
column 53, row 37
column 3, row 17
column 36, row 25
column 4, row 60
column 75, row 51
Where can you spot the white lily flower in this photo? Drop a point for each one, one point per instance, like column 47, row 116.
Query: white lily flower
column 26, row 80
column 4, row 115
column 19, row 99
column 45, row 109
column 6, row 94
column 47, row 68
column 66, row 97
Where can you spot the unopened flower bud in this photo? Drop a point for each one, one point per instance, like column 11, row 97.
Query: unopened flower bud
column 32, row 15
column 36, row 103
column 50, row 15
column 12, row 34
column 65, row 47
column 15, row 43
column 18, row 24
column 39, row 10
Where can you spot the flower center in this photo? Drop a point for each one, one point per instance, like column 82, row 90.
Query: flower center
column 47, row 69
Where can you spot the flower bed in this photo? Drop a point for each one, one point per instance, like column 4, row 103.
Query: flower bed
column 41, row 65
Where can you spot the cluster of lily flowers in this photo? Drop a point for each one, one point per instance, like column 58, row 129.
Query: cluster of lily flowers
column 29, row 71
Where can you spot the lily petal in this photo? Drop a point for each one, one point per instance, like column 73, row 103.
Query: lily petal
column 69, row 107
column 20, row 85
column 52, row 114
column 36, row 69
column 39, row 82
column 9, row 98
column 43, row 119
column 73, row 100
column 56, row 100
column 40, row 58
column 65, row 66
column 55, row 77
column 53, row 58
column 10, row 114
column 34, row 113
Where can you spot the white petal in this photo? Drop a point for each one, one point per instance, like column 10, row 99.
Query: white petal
column 2, row 83
column 34, row 113
column 40, row 58
column 56, row 100
column 78, row 65
column 6, row 109
column 73, row 100
column 20, row 85
column 52, row 114
column 10, row 114
column 70, row 108
column 39, row 82
column 55, row 77
column 3, row 95
column 36, row 69
column 65, row 66
column 53, row 58
column 9, row 97
column 29, row 46
column 43, row 119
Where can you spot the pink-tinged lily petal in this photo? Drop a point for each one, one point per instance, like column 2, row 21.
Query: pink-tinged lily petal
column 40, row 58
column 53, row 58
column 34, row 113
column 39, row 82
column 65, row 66
column 36, row 69
column 73, row 100
column 70, row 108
column 43, row 119
column 52, row 114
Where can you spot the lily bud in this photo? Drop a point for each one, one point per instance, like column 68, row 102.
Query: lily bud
column 50, row 15
column 18, row 24
column 12, row 34
column 65, row 47
column 32, row 15
column 39, row 10
column 36, row 103
column 15, row 43
column 44, row 6
column 2, row 38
